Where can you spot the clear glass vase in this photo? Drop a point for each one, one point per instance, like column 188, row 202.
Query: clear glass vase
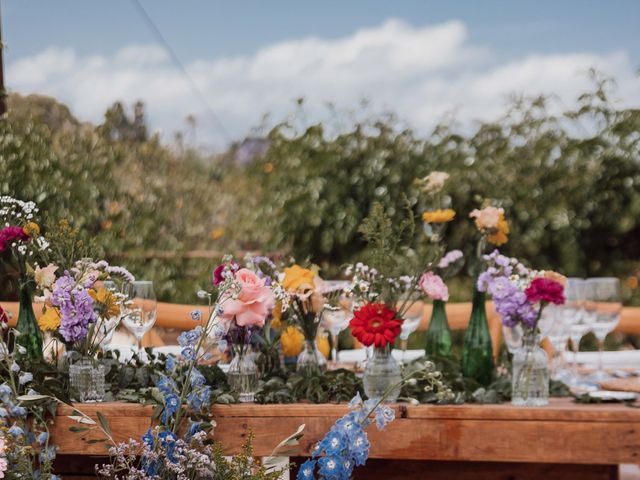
column 243, row 377
column 87, row 378
column 530, row 376
column 382, row 375
column 311, row 361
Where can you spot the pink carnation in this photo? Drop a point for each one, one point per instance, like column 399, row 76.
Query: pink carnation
column 252, row 304
column 545, row 290
column 433, row 286
column 9, row 234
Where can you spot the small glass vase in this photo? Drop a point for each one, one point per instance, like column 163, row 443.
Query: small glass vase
column 243, row 377
column 311, row 361
column 87, row 379
column 382, row 375
column 530, row 375
column 438, row 334
column 477, row 351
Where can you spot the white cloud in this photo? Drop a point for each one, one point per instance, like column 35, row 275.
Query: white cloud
column 421, row 73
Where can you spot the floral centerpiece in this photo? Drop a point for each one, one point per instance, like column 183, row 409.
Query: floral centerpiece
column 477, row 351
column 20, row 236
column 520, row 296
column 245, row 299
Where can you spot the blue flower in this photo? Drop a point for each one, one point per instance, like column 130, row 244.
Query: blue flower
column 355, row 401
column 25, row 377
column 359, row 448
column 349, row 425
column 188, row 353
column 16, row 431
column 166, row 385
column 199, row 398
column 170, row 363
column 14, row 367
column 384, row 415
column 196, row 315
column 306, row 470
column 48, row 454
column 18, row 411
column 347, row 466
column 148, row 439
column 5, row 390
column 168, row 441
column 331, row 467
column 190, row 337
column 42, row 438
column 222, row 345
column 333, row 443
column 194, row 427
column 3, row 412
column 171, row 404
column 197, row 379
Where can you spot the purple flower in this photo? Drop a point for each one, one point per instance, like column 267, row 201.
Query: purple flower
column 75, row 306
column 449, row 258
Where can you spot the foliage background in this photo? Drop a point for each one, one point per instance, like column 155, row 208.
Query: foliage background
column 570, row 185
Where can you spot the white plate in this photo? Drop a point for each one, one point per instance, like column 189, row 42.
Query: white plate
column 611, row 396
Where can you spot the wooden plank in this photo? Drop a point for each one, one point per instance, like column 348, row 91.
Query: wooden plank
column 562, row 432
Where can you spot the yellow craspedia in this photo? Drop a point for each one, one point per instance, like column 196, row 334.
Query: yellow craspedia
column 49, row 320
column 500, row 235
column 439, row 216
column 322, row 343
column 268, row 167
column 217, row 233
column 298, row 278
column 32, row 229
column 106, row 302
column 292, row 341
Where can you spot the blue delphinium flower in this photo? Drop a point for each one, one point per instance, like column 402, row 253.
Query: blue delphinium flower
column 171, row 405
column 14, row 367
column 24, row 378
column 148, row 439
column 188, row 353
column 16, row 431
column 197, row 379
column 48, row 454
column 5, row 391
column 306, row 470
column 194, row 427
column 331, row 467
column 170, row 363
column 196, row 315
column 17, row 411
column 360, row 448
column 166, row 385
column 384, row 415
column 168, row 440
column 190, row 337
column 42, row 438
column 333, row 443
column 200, row 398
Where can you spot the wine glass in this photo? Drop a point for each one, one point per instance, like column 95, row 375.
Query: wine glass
column 140, row 309
column 410, row 323
column 558, row 335
column 336, row 313
column 108, row 326
column 513, row 337
column 605, row 300
column 576, row 317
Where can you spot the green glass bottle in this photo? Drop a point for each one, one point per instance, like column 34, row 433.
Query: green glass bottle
column 477, row 352
column 30, row 336
column 438, row 333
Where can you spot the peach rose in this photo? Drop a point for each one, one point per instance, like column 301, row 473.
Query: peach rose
column 253, row 302
column 487, row 218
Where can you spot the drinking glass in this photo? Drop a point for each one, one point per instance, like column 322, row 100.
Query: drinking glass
column 409, row 325
column 575, row 312
column 336, row 313
column 605, row 301
column 140, row 309
column 108, row 326
column 558, row 335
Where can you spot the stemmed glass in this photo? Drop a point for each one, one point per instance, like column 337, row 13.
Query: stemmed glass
column 140, row 309
column 576, row 316
column 336, row 313
column 605, row 301
column 410, row 323
column 108, row 326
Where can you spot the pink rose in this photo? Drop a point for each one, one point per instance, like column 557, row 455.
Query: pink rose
column 487, row 218
column 252, row 304
column 433, row 286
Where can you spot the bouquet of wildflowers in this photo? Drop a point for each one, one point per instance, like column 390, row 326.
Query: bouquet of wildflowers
column 519, row 293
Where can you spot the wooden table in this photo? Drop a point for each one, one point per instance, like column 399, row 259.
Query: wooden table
column 561, row 440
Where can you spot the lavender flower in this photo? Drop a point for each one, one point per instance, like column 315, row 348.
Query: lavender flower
column 451, row 257
column 75, row 306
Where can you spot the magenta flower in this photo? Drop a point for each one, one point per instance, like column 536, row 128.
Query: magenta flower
column 545, row 290
column 9, row 234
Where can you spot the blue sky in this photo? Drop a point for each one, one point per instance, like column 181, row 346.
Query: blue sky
column 494, row 47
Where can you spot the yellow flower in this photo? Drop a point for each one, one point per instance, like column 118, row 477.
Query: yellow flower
column 32, row 229
column 276, row 315
column 292, row 341
column 499, row 235
column 439, row 216
column 106, row 302
column 556, row 277
column 217, row 233
column 268, row 167
column 632, row 283
column 322, row 343
column 49, row 320
column 298, row 278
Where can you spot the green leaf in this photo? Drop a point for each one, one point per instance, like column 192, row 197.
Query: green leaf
column 103, row 423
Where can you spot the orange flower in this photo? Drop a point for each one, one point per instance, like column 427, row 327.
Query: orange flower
column 500, row 235
column 439, row 216
column 217, row 233
column 32, row 229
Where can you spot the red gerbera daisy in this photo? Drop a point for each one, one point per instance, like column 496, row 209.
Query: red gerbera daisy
column 375, row 324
